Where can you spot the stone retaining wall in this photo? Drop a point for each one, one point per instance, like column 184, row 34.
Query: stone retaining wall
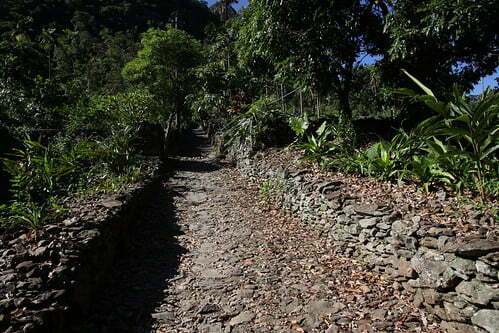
column 50, row 277
column 454, row 278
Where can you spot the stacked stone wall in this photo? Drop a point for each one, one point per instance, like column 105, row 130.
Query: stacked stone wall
column 49, row 277
column 454, row 278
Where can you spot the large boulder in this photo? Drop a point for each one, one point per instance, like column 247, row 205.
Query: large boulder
column 464, row 268
column 368, row 223
column 461, row 313
column 491, row 259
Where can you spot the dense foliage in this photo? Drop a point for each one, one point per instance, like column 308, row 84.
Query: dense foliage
column 303, row 63
column 78, row 111
column 87, row 89
column 163, row 67
column 445, row 42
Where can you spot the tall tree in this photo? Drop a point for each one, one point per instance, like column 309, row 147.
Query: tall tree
column 314, row 43
column 164, row 67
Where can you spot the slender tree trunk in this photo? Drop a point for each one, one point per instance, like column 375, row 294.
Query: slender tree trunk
column 166, row 136
column 88, row 79
column 301, row 103
column 344, row 96
column 282, row 99
column 318, row 105
column 50, row 64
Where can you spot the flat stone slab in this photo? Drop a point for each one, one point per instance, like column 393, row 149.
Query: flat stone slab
column 487, row 319
column 473, row 248
column 164, row 316
column 213, row 274
column 367, row 209
column 242, row 318
column 111, row 203
column 477, row 292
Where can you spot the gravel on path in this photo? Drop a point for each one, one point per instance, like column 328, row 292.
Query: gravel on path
column 211, row 257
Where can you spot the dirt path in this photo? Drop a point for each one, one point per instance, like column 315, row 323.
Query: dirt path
column 215, row 259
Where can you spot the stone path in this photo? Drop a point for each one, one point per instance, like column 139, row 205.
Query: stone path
column 210, row 257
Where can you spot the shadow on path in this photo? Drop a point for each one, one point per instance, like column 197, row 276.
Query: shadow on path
column 152, row 257
column 192, row 144
column 194, row 166
column 140, row 274
column 190, row 148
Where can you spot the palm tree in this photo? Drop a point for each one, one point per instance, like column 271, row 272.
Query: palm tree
column 224, row 9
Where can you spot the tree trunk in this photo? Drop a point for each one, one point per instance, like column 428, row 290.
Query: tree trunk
column 166, row 137
column 345, row 92
column 318, row 105
column 301, row 102
column 282, row 99
column 345, row 104
column 50, row 64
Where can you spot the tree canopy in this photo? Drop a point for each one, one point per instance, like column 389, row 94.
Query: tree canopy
column 445, row 42
column 313, row 44
column 69, row 67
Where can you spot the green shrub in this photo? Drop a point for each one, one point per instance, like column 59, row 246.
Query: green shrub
column 471, row 126
column 100, row 115
column 427, row 171
column 114, row 124
column 255, row 126
column 100, row 180
column 32, row 215
column 331, row 138
column 384, row 158
column 455, row 147
column 319, row 146
column 299, row 125
column 269, row 189
column 36, row 172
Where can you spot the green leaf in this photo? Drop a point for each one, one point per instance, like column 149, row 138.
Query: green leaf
column 322, row 128
column 406, row 92
column 489, row 151
column 421, row 85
